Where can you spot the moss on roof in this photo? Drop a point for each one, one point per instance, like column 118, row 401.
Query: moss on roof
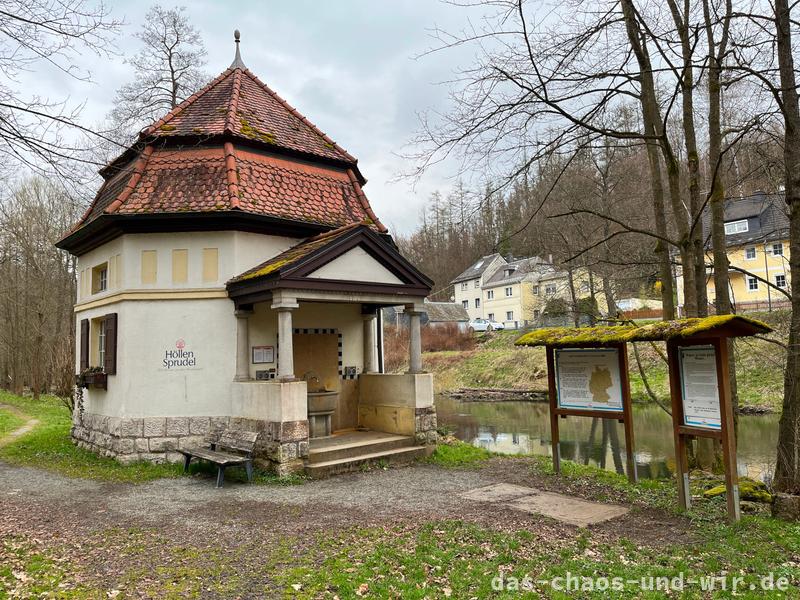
column 660, row 331
column 294, row 254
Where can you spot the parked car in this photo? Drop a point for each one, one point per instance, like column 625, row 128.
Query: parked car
column 484, row 325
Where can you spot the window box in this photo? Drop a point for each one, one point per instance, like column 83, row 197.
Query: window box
column 93, row 377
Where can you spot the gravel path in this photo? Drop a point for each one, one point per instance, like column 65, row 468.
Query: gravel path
column 143, row 537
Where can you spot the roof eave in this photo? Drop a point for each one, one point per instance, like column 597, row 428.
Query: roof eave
column 107, row 227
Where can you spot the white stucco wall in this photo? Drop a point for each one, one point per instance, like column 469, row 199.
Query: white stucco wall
column 356, row 265
column 238, row 252
column 153, row 317
column 143, row 386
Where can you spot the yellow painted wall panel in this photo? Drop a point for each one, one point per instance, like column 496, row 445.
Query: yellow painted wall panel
column 180, row 266
column 149, row 266
column 210, row 265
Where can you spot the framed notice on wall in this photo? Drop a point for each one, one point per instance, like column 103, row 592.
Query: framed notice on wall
column 588, row 379
column 699, row 387
column 263, row 354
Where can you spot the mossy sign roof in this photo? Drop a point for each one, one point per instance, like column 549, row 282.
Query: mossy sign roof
column 715, row 326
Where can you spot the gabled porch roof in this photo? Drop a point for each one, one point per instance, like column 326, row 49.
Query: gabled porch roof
column 383, row 273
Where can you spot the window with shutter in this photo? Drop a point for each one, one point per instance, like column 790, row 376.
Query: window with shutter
column 84, row 344
column 110, row 354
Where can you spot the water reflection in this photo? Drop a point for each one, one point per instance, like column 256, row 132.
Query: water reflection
column 524, row 428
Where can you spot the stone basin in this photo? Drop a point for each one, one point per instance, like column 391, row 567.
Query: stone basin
column 323, row 401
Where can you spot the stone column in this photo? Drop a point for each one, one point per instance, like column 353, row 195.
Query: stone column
column 415, row 341
column 285, row 306
column 242, row 345
column 370, row 344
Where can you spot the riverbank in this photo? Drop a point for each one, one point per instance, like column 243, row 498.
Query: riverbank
column 496, row 363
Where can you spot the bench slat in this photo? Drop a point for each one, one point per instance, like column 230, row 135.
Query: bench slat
column 215, row 456
column 243, row 441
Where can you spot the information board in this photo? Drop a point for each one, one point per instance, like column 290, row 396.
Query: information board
column 263, row 354
column 699, row 386
column 588, row 379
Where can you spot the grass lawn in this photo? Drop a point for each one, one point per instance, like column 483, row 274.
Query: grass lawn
column 49, row 447
column 9, row 422
column 496, row 362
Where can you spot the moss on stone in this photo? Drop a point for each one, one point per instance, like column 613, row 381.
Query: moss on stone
column 615, row 334
column 749, row 489
column 166, row 127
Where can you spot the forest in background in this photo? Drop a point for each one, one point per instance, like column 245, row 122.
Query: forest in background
column 457, row 228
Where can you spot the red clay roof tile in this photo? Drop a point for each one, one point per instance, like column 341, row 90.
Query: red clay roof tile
column 219, row 176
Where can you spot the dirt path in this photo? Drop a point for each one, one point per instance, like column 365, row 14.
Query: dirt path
column 144, row 536
column 12, row 436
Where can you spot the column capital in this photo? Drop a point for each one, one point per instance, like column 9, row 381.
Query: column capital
column 282, row 301
column 415, row 309
column 243, row 313
column 282, row 304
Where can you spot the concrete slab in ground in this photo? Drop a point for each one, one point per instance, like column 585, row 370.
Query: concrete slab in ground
column 497, row 492
column 567, row 509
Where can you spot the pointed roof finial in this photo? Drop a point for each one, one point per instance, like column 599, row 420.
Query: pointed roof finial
column 237, row 61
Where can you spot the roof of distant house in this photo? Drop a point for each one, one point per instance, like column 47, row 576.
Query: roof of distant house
column 518, row 270
column 445, row 312
column 478, row 267
column 767, row 217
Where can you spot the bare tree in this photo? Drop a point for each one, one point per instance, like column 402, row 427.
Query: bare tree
column 38, row 133
column 787, row 469
column 37, row 288
column 167, row 70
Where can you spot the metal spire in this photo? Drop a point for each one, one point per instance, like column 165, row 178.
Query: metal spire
column 237, row 61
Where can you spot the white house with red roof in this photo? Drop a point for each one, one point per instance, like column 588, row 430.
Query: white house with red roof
column 231, row 272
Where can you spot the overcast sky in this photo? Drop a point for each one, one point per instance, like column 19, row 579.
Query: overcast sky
column 347, row 65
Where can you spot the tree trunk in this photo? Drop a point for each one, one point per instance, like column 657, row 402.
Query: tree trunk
column 692, row 156
column 722, row 295
column 651, row 122
column 787, row 470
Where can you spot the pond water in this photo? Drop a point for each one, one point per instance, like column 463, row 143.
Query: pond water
column 524, row 428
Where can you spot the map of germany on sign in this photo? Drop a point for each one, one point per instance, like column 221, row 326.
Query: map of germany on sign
column 588, row 379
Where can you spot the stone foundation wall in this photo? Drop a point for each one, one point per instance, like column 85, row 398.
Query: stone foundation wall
column 425, row 425
column 281, row 447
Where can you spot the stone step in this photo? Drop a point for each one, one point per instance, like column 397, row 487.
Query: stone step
column 321, row 470
column 329, row 451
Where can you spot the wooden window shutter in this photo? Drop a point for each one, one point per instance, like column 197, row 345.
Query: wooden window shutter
column 110, row 326
column 84, row 344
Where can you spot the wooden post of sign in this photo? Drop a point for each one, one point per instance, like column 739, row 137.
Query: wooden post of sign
column 627, row 413
column 681, row 460
column 551, row 396
column 682, row 432
column 728, row 431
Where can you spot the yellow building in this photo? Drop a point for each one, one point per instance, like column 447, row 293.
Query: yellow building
column 757, row 236
column 516, row 293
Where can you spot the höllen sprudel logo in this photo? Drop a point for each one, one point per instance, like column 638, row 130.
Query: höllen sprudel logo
column 180, row 357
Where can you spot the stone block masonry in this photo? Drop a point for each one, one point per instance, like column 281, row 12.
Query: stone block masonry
column 425, row 425
column 281, row 447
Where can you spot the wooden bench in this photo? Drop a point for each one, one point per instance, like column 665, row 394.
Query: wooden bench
column 232, row 448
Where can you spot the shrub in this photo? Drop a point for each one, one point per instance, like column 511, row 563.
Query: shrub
column 436, row 338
